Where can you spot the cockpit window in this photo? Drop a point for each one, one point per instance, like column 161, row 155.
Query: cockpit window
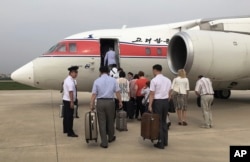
column 64, row 48
column 61, row 48
column 52, row 49
column 72, row 47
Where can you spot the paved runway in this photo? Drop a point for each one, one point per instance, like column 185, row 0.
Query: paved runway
column 31, row 130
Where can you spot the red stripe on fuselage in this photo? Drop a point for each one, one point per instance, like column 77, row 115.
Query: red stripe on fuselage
column 93, row 47
column 142, row 50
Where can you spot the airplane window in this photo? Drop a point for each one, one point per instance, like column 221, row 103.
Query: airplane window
column 61, row 48
column 72, row 47
column 52, row 49
column 148, row 51
column 159, row 51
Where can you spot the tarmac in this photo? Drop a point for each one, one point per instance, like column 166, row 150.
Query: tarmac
column 31, row 130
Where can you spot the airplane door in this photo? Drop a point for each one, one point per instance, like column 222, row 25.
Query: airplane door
column 104, row 47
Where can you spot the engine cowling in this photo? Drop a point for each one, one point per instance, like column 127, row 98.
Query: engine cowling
column 220, row 56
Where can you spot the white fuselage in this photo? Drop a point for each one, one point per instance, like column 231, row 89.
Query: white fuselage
column 137, row 49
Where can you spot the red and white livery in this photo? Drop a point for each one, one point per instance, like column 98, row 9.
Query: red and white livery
column 217, row 48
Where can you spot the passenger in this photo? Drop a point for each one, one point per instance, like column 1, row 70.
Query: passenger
column 75, row 115
column 69, row 97
column 114, row 72
column 204, row 89
column 130, row 76
column 120, row 69
column 103, row 90
column 180, row 90
column 132, row 104
column 160, row 88
column 145, row 92
column 124, row 89
column 139, row 84
column 132, row 87
column 110, row 58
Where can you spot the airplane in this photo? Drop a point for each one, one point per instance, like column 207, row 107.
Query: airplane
column 217, row 48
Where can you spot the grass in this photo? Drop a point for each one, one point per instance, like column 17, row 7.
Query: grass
column 11, row 85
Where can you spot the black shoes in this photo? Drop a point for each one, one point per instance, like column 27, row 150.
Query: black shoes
column 103, row 146
column 184, row 123
column 113, row 139
column 159, row 146
column 72, row 135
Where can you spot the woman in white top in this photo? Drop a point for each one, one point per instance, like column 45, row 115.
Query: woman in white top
column 124, row 89
column 180, row 89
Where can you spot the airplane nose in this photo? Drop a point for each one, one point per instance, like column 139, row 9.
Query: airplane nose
column 24, row 74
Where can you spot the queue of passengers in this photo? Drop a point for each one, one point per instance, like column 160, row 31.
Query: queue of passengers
column 147, row 95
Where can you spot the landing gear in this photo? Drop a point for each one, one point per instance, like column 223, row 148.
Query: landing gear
column 222, row 94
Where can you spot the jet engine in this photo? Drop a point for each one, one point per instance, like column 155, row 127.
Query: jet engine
column 221, row 56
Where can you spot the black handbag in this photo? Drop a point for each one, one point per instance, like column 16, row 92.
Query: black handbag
column 171, row 108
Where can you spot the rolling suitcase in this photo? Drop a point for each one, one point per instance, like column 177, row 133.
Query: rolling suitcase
column 91, row 132
column 75, row 114
column 61, row 111
column 75, row 111
column 121, row 120
column 150, row 126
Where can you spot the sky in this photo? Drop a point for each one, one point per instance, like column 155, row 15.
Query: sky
column 30, row 27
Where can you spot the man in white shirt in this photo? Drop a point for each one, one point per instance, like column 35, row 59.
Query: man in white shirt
column 160, row 87
column 110, row 58
column 69, row 97
column 204, row 89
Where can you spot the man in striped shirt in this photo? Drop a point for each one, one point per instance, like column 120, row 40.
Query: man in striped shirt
column 204, row 89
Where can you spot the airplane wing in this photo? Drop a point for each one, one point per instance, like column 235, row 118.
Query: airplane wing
column 234, row 25
column 223, row 24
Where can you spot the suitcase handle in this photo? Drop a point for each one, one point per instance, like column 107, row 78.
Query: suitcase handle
column 120, row 109
column 151, row 113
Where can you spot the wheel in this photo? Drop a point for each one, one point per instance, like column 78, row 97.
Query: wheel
column 96, row 141
column 87, row 141
column 225, row 94
column 152, row 141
